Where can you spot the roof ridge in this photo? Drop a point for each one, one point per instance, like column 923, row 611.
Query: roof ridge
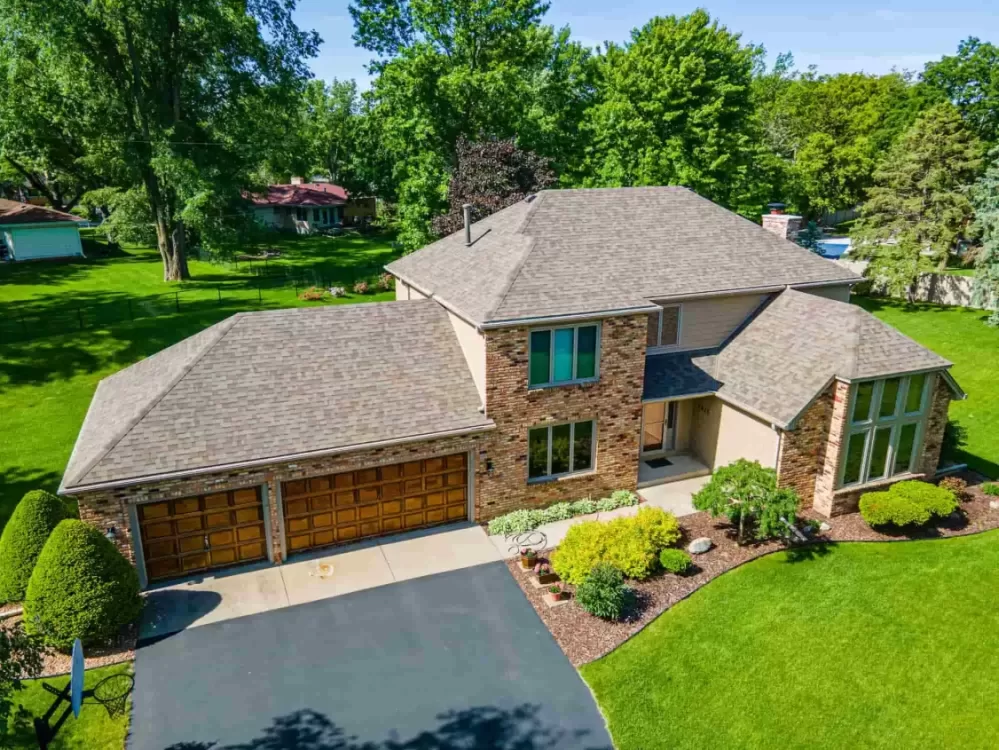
column 154, row 402
column 514, row 272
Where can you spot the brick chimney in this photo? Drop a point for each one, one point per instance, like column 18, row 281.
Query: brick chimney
column 297, row 180
column 785, row 226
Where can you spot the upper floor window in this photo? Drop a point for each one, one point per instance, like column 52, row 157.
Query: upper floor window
column 564, row 355
column 885, row 428
column 664, row 327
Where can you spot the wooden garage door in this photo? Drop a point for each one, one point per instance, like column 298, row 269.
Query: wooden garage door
column 198, row 533
column 368, row 502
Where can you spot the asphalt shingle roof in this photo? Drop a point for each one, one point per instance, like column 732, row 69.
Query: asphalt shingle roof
column 787, row 353
column 15, row 212
column 267, row 385
column 566, row 252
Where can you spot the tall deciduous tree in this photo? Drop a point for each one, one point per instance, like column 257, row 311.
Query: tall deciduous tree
column 970, row 80
column 476, row 69
column 187, row 94
column 490, row 176
column 675, row 109
column 985, row 196
column 919, row 207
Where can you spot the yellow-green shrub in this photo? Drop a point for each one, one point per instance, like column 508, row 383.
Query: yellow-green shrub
column 631, row 545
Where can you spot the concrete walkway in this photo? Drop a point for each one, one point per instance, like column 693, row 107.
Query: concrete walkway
column 674, row 497
column 250, row 590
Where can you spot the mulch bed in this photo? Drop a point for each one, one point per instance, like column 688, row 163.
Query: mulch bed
column 120, row 649
column 584, row 637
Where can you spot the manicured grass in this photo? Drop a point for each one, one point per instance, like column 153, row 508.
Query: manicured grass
column 888, row 645
column 46, row 382
column 92, row 730
column 960, row 335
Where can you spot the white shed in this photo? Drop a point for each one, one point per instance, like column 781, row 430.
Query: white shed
column 29, row 232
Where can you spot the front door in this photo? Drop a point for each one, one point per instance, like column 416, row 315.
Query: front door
column 659, row 427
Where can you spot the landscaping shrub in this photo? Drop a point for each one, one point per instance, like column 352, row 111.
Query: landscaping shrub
column 520, row 521
column 956, row 485
column 631, row 545
column 909, row 503
column 583, row 507
column 361, row 287
column 82, row 588
column 558, row 512
column 675, row 561
column 385, row 282
column 991, row 489
column 24, row 536
column 312, row 294
column 603, row 593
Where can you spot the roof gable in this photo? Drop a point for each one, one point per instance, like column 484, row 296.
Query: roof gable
column 304, row 194
column 15, row 212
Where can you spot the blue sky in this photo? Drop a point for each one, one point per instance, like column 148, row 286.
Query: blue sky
column 837, row 35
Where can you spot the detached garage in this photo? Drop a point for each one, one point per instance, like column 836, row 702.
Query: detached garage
column 30, row 232
column 274, row 433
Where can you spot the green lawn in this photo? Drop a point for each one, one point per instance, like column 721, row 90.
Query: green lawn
column 960, row 335
column 93, row 730
column 46, row 383
column 887, row 645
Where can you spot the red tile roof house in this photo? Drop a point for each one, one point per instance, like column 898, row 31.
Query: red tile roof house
column 29, row 232
column 305, row 207
column 563, row 349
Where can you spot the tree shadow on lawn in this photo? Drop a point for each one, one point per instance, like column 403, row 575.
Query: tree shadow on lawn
column 482, row 728
column 809, row 552
column 16, row 481
column 877, row 304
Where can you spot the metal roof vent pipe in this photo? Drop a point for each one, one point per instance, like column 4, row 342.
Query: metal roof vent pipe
column 467, row 211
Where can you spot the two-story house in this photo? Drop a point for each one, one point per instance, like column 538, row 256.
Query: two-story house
column 578, row 342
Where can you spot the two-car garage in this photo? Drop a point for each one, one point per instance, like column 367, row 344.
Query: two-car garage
column 198, row 534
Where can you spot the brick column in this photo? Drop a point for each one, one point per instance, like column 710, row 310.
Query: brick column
column 825, row 481
column 803, row 450
column 936, row 423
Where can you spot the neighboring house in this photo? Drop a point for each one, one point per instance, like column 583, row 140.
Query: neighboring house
column 582, row 341
column 30, row 232
column 306, row 207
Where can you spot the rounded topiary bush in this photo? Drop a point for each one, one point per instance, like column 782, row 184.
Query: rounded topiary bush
column 909, row 503
column 24, row 536
column 603, row 593
column 675, row 561
column 82, row 588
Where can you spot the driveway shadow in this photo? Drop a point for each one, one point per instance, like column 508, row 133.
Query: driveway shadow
column 170, row 611
column 482, row 728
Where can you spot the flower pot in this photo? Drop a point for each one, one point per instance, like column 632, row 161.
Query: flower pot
column 548, row 578
column 527, row 562
column 553, row 599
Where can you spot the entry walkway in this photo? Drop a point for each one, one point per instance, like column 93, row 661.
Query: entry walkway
column 250, row 590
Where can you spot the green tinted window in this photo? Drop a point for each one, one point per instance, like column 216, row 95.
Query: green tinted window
column 854, row 457
column 879, row 454
column 862, row 402
column 914, row 396
column 563, row 355
column 586, row 352
column 582, row 446
column 889, row 397
column 540, row 366
column 537, row 453
column 906, row 444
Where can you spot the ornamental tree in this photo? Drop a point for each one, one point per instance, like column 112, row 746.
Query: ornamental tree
column 746, row 493
column 985, row 196
column 24, row 536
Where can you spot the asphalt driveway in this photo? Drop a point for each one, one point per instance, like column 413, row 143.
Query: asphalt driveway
column 455, row 660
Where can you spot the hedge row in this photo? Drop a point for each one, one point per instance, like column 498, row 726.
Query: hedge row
column 520, row 521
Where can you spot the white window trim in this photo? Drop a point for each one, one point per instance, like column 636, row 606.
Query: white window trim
column 659, row 348
column 895, row 422
column 575, row 356
column 572, row 451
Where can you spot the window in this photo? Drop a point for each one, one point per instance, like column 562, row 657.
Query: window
column 664, row 327
column 559, row 450
column 886, row 420
column 315, row 215
column 302, row 214
column 563, row 355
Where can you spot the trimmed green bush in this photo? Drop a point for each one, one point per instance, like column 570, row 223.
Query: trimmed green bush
column 24, row 536
column 603, row 593
column 82, row 588
column 520, row 521
column 631, row 545
column 675, row 561
column 991, row 489
column 909, row 503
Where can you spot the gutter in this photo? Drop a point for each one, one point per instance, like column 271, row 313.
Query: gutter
column 286, row 458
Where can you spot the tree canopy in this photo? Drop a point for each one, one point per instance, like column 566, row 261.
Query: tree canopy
column 985, row 197
column 970, row 81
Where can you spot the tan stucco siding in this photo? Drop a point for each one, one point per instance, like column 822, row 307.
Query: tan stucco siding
column 722, row 433
column 473, row 346
column 684, row 416
column 705, row 323
column 841, row 292
column 405, row 291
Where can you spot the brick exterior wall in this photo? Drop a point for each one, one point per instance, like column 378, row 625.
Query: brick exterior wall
column 810, row 450
column 614, row 401
column 110, row 507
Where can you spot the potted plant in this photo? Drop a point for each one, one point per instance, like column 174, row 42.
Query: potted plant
column 556, row 593
column 545, row 573
column 528, row 558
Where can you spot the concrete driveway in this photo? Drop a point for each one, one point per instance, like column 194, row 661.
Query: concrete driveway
column 453, row 660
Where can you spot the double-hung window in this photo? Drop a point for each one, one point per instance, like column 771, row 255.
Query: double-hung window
column 564, row 355
column 887, row 418
column 557, row 450
column 664, row 327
